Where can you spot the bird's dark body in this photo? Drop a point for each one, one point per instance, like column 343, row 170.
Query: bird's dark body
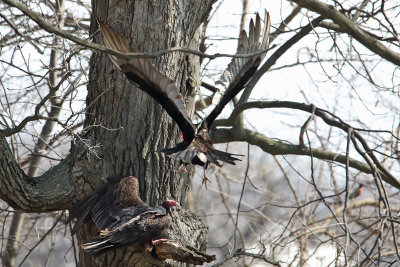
column 122, row 218
column 131, row 230
column 102, row 206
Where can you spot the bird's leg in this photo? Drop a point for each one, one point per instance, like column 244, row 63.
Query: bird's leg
column 205, row 178
column 182, row 168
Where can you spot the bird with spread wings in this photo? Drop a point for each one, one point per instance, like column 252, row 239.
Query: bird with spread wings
column 196, row 147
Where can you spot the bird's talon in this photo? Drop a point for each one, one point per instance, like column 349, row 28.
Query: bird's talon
column 205, row 181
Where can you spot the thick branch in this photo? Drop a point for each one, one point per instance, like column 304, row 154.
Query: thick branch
column 351, row 28
column 264, row 104
column 168, row 249
column 280, row 148
column 328, row 118
column 49, row 192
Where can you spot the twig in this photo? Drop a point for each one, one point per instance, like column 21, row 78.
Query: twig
column 50, row 28
column 305, row 126
column 43, row 237
column 351, row 28
column 240, row 253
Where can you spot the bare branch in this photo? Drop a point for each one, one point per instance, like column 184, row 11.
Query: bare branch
column 50, row 28
column 241, row 253
column 32, row 195
column 348, row 26
column 280, row 148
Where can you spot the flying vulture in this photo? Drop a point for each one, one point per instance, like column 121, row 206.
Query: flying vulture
column 122, row 218
column 196, row 147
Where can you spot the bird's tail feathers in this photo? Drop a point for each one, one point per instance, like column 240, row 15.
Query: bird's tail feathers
column 81, row 211
column 211, row 157
column 224, row 156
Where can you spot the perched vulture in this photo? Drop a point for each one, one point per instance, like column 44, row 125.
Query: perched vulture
column 196, row 147
column 122, row 218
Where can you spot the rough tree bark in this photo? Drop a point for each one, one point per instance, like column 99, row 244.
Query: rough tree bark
column 125, row 126
column 134, row 127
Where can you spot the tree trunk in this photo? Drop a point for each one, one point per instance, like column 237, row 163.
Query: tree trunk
column 127, row 127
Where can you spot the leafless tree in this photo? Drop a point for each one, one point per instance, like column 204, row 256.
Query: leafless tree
column 320, row 178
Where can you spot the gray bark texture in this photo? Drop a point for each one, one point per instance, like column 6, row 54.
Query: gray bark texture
column 125, row 128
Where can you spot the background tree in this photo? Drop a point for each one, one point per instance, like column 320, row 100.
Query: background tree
column 340, row 55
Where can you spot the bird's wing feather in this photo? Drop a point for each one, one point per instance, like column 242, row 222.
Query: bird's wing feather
column 137, row 229
column 124, row 225
column 98, row 206
column 82, row 211
column 102, row 206
column 240, row 70
column 143, row 73
column 122, row 193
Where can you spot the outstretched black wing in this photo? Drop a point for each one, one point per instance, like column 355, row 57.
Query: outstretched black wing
column 240, row 70
column 143, row 73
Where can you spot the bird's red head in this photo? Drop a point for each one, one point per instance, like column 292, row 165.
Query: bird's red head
column 181, row 136
column 169, row 203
